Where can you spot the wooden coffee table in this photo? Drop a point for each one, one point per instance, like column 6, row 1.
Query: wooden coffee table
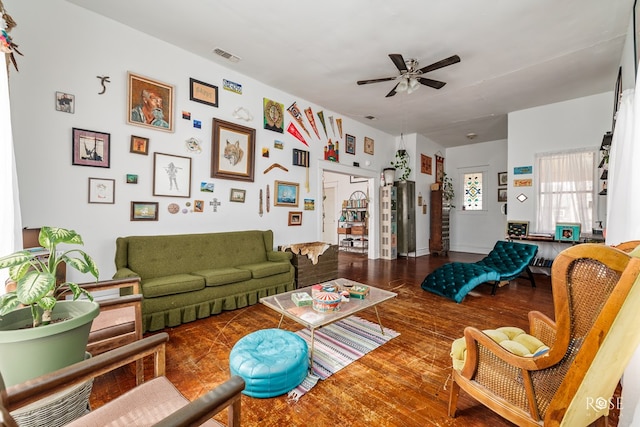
column 313, row 319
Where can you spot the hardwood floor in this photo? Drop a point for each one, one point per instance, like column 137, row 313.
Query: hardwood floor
column 405, row 382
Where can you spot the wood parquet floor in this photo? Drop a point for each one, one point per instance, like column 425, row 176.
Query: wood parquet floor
column 405, row 382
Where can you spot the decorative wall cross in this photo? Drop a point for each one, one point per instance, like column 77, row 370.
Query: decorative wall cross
column 215, row 203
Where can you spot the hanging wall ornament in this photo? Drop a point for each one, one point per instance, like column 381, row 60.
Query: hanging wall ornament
column 268, row 198
column 333, row 129
column 312, row 121
column 242, row 113
column 295, row 132
column 260, row 203
column 296, row 114
column 324, row 125
column 193, row 145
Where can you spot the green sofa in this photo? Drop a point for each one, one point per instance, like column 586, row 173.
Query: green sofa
column 185, row 277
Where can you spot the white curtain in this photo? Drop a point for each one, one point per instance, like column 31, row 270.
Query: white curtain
column 623, row 209
column 10, row 223
column 565, row 190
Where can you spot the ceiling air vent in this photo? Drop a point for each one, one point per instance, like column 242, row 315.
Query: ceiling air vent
column 226, row 55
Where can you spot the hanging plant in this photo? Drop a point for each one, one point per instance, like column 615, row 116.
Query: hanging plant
column 401, row 163
column 448, row 193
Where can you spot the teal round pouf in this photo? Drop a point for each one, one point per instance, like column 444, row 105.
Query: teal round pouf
column 270, row 361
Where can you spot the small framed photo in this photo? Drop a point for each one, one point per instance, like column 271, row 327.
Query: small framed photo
column 144, row 211
column 286, row 193
column 149, row 103
column 237, row 195
column 350, row 144
column 139, row 145
column 132, row 178
column 295, row 218
column 368, row 145
column 517, row 228
column 233, row 151
column 503, row 178
column 171, row 175
column 567, row 232
column 90, row 148
column 198, row 205
column 65, row 102
column 102, row 190
column 502, row 194
column 203, row 93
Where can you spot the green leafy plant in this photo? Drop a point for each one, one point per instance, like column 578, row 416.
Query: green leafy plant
column 401, row 163
column 448, row 193
column 35, row 275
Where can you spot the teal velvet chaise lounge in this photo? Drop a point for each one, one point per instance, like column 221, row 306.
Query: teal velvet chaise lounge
column 505, row 262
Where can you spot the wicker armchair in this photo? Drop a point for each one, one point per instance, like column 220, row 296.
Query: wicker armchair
column 155, row 402
column 590, row 284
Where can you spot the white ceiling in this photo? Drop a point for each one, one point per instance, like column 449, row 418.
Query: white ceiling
column 515, row 54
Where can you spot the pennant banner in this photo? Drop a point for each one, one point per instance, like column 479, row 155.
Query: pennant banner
column 312, row 121
column 295, row 112
column 295, row 132
column 324, row 126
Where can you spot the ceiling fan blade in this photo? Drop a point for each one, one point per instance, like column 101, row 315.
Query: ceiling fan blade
column 366, row 82
column 443, row 63
column 398, row 60
column 393, row 91
column 431, row 83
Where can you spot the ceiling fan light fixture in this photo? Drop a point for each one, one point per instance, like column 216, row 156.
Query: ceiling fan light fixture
column 413, row 85
column 402, row 86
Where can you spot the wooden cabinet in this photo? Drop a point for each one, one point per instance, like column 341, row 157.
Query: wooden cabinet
column 439, row 225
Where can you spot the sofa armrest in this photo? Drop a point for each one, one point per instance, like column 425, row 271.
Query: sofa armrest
column 125, row 273
column 279, row 256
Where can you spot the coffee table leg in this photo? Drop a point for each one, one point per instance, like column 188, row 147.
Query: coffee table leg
column 379, row 322
column 311, row 352
column 280, row 322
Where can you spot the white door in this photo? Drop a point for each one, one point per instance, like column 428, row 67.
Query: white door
column 329, row 219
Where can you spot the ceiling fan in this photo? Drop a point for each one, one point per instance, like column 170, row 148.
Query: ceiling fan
column 411, row 76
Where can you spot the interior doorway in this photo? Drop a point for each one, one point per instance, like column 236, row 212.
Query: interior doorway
column 337, row 187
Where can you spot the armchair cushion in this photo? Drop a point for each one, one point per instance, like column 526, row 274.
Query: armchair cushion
column 146, row 404
column 513, row 339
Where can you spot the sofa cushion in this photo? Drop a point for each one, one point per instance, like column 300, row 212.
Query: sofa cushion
column 223, row 276
column 170, row 285
column 265, row 269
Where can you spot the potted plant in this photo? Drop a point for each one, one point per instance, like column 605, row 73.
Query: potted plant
column 448, row 193
column 38, row 333
column 401, row 163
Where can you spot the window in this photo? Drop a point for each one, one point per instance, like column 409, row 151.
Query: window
column 565, row 188
column 472, row 191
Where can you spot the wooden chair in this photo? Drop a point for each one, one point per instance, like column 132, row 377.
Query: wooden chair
column 155, row 402
column 120, row 318
column 591, row 288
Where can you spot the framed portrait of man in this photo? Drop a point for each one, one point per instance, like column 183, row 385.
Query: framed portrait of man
column 150, row 103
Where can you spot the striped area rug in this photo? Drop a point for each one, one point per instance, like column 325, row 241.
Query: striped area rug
column 337, row 345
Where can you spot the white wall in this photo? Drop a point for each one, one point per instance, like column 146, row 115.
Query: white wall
column 67, row 58
column 577, row 123
column 477, row 231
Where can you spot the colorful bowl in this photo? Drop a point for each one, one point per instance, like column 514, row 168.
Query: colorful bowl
column 326, row 302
